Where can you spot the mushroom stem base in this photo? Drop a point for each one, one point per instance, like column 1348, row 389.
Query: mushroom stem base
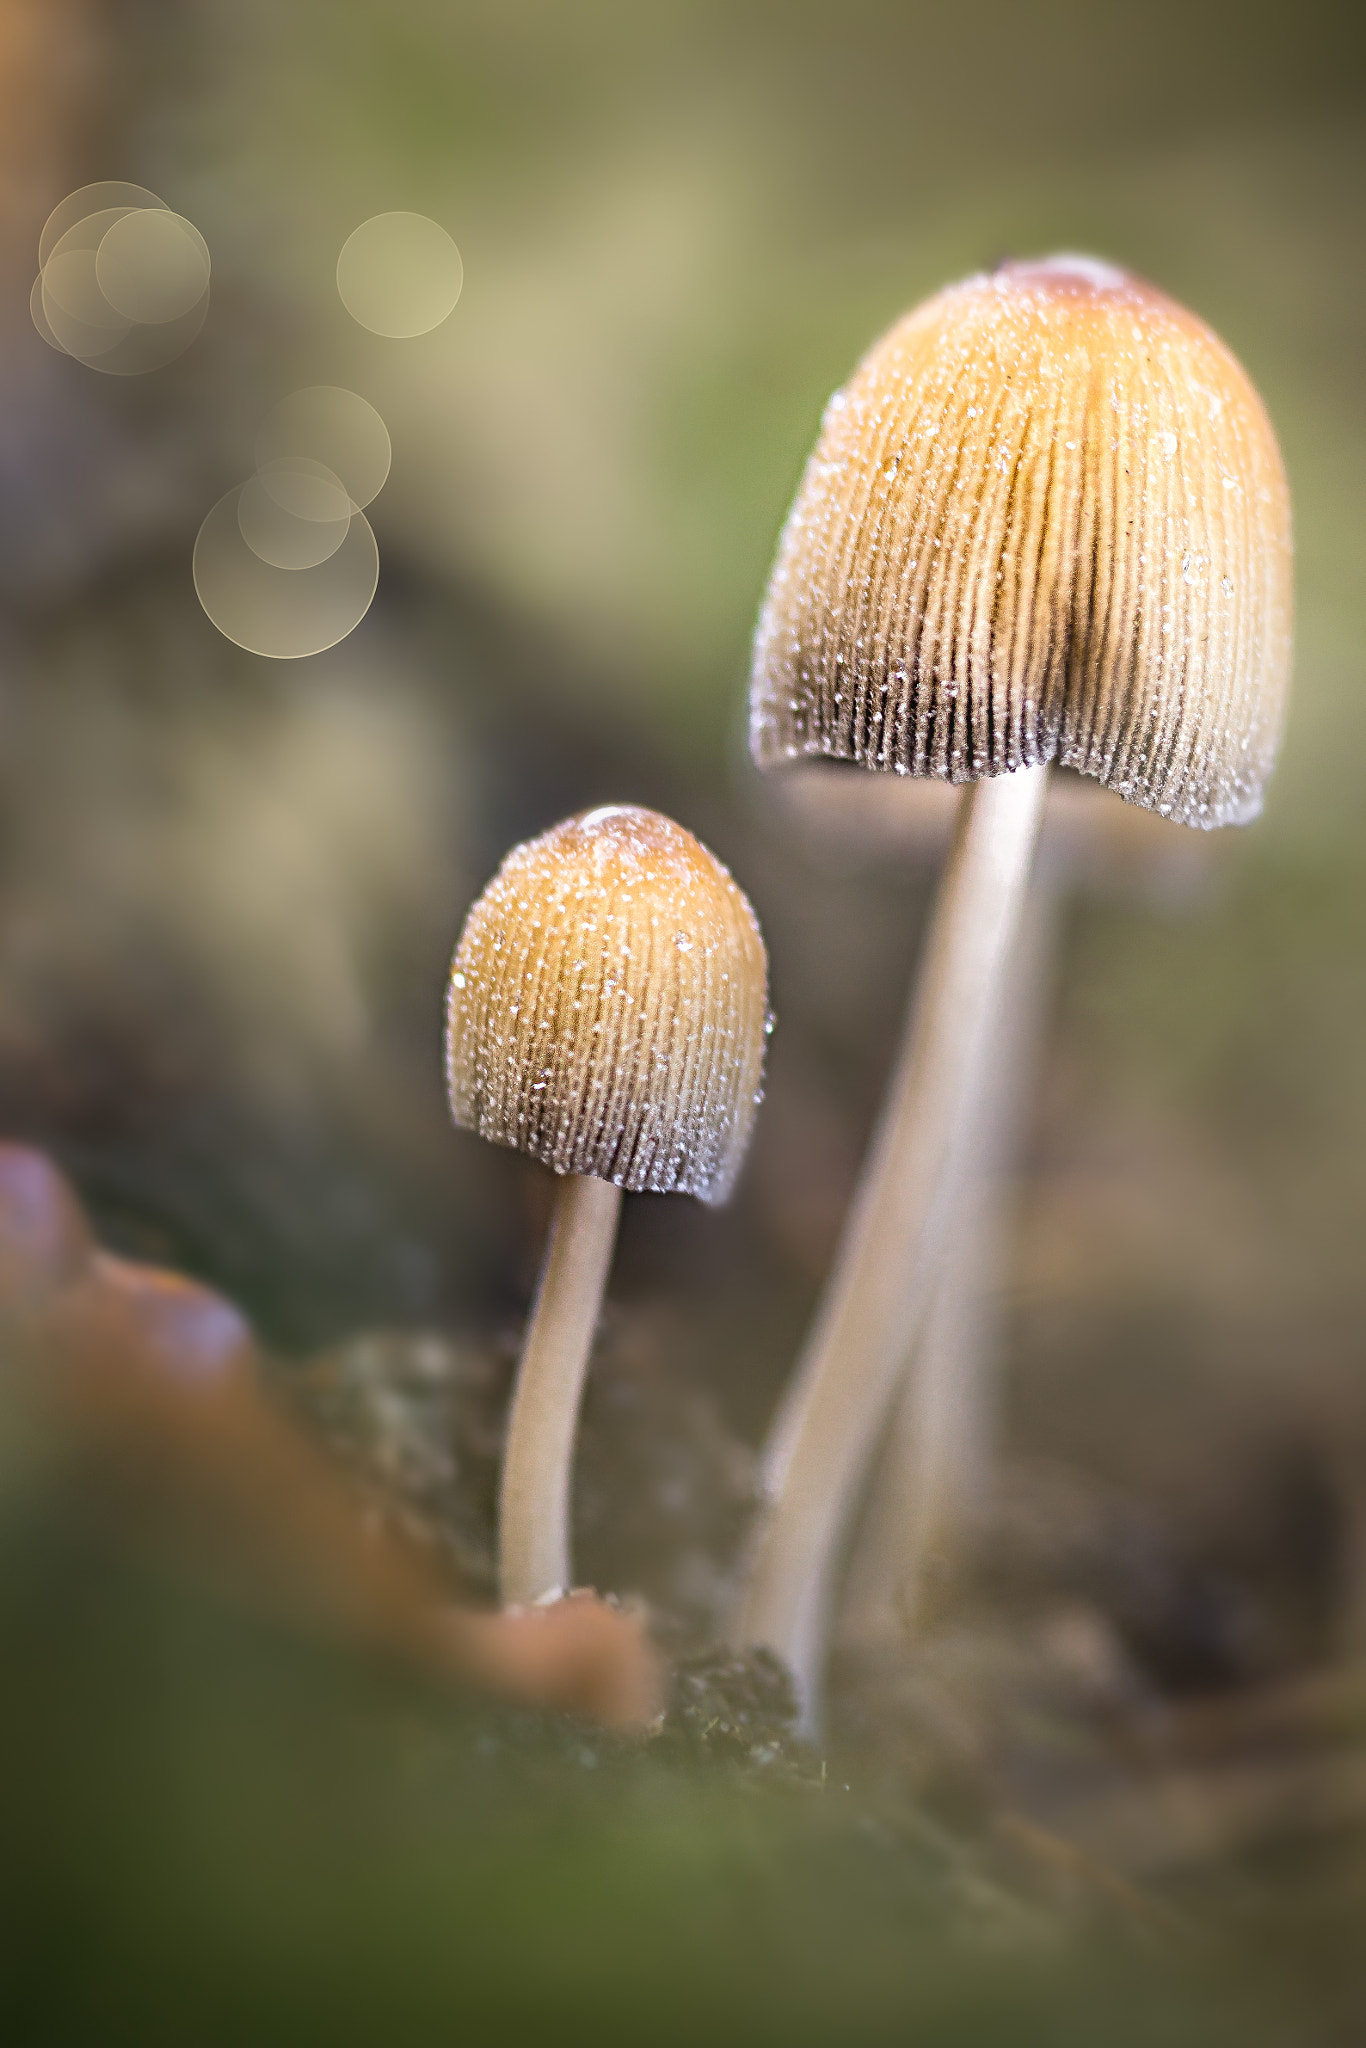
column 533, row 1516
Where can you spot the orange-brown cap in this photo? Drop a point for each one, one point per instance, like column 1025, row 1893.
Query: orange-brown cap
column 608, row 1005
column 1046, row 519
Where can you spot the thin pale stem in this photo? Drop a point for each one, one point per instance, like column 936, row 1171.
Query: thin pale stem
column 885, row 1271
column 533, row 1523
column 932, row 1478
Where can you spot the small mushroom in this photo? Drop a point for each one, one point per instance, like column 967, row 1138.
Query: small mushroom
column 1045, row 521
column 607, row 1012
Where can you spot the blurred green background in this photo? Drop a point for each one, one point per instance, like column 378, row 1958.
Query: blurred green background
column 229, row 888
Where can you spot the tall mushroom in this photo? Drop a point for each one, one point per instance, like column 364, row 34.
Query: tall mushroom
column 1045, row 520
column 607, row 1013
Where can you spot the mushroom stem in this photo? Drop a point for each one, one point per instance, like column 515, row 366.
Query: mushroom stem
column 933, row 1476
column 887, row 1264
column 534, row 1505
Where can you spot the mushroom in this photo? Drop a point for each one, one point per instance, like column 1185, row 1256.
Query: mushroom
column 1045, row 521
column 607, row 1013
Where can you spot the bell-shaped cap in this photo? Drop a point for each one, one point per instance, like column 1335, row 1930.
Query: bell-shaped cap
column 1046, row 519
column 608, row 1007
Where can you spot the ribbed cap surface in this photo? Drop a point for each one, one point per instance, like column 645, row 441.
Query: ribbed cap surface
column 1046, row 519
column 608, row 1007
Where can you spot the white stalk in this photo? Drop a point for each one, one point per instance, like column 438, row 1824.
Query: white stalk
column 886, row 1268
column 933, row 1478
column 533, row 1519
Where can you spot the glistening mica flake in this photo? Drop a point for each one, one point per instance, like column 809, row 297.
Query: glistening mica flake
column 1045, row 520
column 607, row 1007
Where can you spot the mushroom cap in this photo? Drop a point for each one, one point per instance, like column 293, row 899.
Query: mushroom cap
column 608, row 1007
column 1046, row 519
